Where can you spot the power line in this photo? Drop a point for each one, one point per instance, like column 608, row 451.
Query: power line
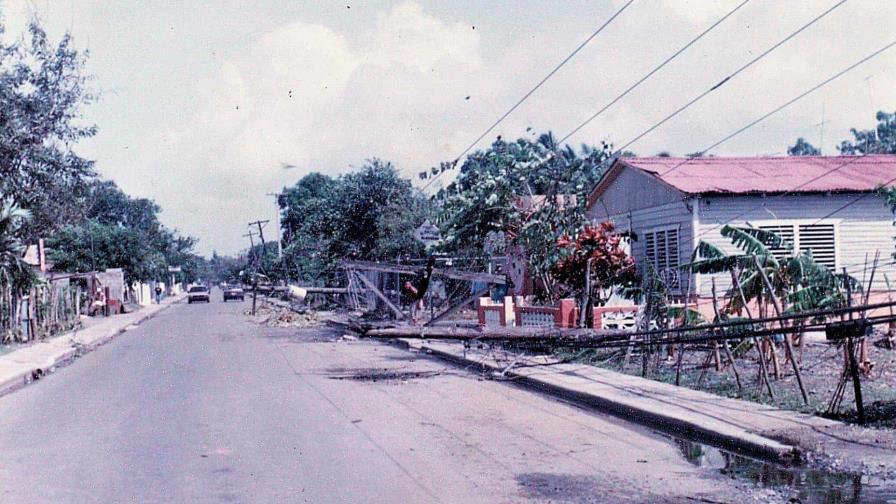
column 724, row 81
column 739, row 70
column 788, row 103
column 534, row 89
column 767, row 115
column 655, row 70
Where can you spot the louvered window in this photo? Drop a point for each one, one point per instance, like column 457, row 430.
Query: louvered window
column 661, row 252
column 818, row 239
column 786, row 234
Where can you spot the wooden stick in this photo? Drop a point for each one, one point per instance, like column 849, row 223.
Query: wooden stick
column 851, row 356
column 715, row 307
column 787, row 345
column 680, row 356
column 763, row 368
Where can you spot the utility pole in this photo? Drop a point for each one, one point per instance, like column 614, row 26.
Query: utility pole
column 264, row 250
column 260, row 224
column 252, row 256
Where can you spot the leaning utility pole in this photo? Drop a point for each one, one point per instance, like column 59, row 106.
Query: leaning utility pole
column 252, row 257
column 260, row 224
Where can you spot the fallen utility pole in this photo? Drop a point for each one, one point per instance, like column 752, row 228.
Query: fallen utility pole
column 566, row 336
column 411, row 270
column 581, row 338
column 734, row 324
column 457, row 306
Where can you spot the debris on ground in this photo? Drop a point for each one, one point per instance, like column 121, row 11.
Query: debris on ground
column 276, row 316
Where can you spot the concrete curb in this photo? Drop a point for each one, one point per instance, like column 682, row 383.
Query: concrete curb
column 695, row 428
column 70, row 348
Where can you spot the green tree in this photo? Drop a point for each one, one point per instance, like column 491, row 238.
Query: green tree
column 93, row 245
column 368, row 214
column 533, row 192
column 801, row 283
column 42, row 89
column 119, row 231
column 881, row 140
column 802, row 148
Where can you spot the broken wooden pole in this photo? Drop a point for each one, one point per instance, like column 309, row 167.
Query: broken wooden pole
column 413, row 270
column 372, row 288
column 457, row 306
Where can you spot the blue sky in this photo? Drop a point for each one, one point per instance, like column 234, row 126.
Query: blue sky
column 203, row 101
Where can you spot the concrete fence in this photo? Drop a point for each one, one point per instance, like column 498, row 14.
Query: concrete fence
column 565, row 315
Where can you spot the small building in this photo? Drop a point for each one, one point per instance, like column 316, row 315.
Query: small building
column 827, row 204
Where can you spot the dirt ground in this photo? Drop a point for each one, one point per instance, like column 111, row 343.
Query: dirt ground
column 821, row 368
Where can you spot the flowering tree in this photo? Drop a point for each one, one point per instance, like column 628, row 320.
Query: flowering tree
column 531, row 191
column 611, row 266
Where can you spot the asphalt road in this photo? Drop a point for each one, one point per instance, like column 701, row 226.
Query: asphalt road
column 202, row 404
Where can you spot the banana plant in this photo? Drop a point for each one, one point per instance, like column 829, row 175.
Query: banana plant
column 802, row 283
column 14, row 271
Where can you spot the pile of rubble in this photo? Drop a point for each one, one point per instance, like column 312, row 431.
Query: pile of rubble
column 276, row 316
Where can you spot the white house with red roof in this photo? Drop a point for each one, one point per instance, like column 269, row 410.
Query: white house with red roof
column 827, row 204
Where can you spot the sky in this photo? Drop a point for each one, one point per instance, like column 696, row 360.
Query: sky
column 204, row 103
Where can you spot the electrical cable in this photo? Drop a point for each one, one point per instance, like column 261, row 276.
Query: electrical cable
column 534, row 89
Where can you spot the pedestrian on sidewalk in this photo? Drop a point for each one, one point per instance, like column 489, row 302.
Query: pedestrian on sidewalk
column 158, row 295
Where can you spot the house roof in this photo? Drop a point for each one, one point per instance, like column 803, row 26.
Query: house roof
column 746, row 175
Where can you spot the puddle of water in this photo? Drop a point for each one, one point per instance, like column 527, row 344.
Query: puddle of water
column 810, row 486
column 380, row 374
column 560, row 487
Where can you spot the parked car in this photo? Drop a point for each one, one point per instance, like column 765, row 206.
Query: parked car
column 198, row 293
column 233, row 292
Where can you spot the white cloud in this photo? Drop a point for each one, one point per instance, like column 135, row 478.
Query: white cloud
column 306, row 95
column 211, row 101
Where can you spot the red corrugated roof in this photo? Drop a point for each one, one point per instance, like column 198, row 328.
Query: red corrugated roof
column 739, row 175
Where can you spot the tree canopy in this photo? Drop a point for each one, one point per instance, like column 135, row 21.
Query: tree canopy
column 118, row 231
column 88, row 223
column 42, row 88
column 370, row 213
column 803, row 148
column 531, row 191
column 880, row 140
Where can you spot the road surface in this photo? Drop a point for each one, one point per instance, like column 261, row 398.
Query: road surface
column 202, row 404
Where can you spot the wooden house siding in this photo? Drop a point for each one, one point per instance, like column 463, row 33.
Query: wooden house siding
column 642, row 221
column 632, row 190
column 862, row 228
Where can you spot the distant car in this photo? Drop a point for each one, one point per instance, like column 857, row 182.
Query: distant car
column 198, row 293
column 233, row 292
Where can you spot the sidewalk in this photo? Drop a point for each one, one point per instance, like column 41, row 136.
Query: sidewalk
column 21, row 366
column 735, row 425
